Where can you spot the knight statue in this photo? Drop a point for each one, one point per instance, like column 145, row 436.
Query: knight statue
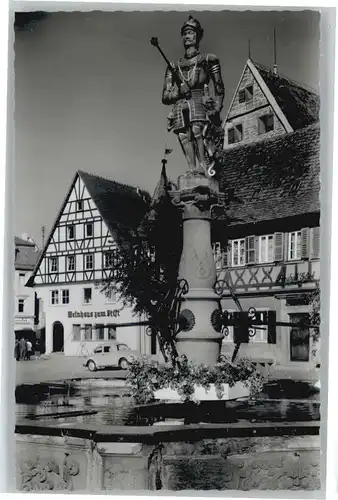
column 187, row 88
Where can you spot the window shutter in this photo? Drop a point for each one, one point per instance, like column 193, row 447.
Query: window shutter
column 250, row 249
column 272, row 327
column 279, row 246
column 305, row 242
column 315, row 243
column 229, row 254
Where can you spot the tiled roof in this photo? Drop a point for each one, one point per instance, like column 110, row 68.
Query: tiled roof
column 26, row 257
column 299, row 104
column 119, row 205
column 274, row 178
column 21, row 242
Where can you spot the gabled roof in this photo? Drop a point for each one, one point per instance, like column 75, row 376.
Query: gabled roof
column 120, row 206
column 299, row 104
column 26, row 257
column 274, row 178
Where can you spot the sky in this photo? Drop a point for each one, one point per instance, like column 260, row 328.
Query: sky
column 88, row 94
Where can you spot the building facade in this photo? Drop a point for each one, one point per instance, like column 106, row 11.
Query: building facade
column 77, row 258
column 26, row 306
column 270, row 261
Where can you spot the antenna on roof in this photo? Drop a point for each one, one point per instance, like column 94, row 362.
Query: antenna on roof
column 249, row 48
column 274, row 53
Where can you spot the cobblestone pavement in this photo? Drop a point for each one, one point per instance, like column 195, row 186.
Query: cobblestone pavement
column 58, row 367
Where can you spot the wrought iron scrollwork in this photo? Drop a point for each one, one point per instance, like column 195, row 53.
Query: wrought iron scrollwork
column 219, row 287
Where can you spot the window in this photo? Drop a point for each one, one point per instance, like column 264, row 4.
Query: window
column 238, row 252
column 295, row 245
column 111, row 332
column 22, row 277
column 77, row 332
column 21, row 305
column 89, row 261
column 110, row 297
column 65, row 296
column 79, row 206
column 108, row 259
column 266, row 248
column 87, row 295
column 246, row 95
column 299, row 338
column 265, row 124
column 70, row 232
column 54, row 297
column 88, row 332
column 71, row 263
column 100, row 332
column 235, row 134
column 89, row 230
column 53, row 265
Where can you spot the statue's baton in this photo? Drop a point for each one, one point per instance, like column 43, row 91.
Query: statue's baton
column 154, row 42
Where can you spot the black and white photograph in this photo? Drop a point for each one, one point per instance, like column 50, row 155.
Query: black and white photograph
column 167, row 286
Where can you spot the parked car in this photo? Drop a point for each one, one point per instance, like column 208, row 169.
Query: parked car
column 111, row 356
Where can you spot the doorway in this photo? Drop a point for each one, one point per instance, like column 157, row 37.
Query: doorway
column 58, row 336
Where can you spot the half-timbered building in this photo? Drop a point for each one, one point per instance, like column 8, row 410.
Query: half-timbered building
column 271, row 173
column 77, row 257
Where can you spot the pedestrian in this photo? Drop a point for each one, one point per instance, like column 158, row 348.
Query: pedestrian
column 23, row 348
column 28, row 349
column 17, row 350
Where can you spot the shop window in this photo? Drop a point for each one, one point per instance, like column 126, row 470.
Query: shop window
column 77, row 333
column 65, row 296
column 100, row 332
column 111, row 332
column 299, row 337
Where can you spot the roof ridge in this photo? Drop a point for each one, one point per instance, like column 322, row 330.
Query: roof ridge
column 117, row 183
column 294, row 82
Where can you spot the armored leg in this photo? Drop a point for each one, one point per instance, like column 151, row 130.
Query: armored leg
column 197, row 130
column 187, row 144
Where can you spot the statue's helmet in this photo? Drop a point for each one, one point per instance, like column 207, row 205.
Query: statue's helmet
column 193, row 24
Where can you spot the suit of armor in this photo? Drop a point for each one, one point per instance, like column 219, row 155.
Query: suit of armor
column 186, row 87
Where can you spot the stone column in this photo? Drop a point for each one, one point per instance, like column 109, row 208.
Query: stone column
column 199, row 341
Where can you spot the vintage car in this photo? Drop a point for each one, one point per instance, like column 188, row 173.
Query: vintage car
column 111, row 356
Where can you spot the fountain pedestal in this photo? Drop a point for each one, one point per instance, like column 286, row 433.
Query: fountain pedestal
column 196, row 195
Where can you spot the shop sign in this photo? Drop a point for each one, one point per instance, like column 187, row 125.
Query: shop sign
column 110, row 313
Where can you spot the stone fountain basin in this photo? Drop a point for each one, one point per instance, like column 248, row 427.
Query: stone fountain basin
column 200, row 394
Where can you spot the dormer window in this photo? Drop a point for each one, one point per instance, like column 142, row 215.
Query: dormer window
column 246, row 95
column 265, row 124
column 235, row 134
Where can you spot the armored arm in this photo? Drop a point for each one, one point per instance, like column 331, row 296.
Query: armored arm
column 170, row 93
column 216, row 76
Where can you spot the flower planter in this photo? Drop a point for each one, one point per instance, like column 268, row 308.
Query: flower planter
column 200, row 394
